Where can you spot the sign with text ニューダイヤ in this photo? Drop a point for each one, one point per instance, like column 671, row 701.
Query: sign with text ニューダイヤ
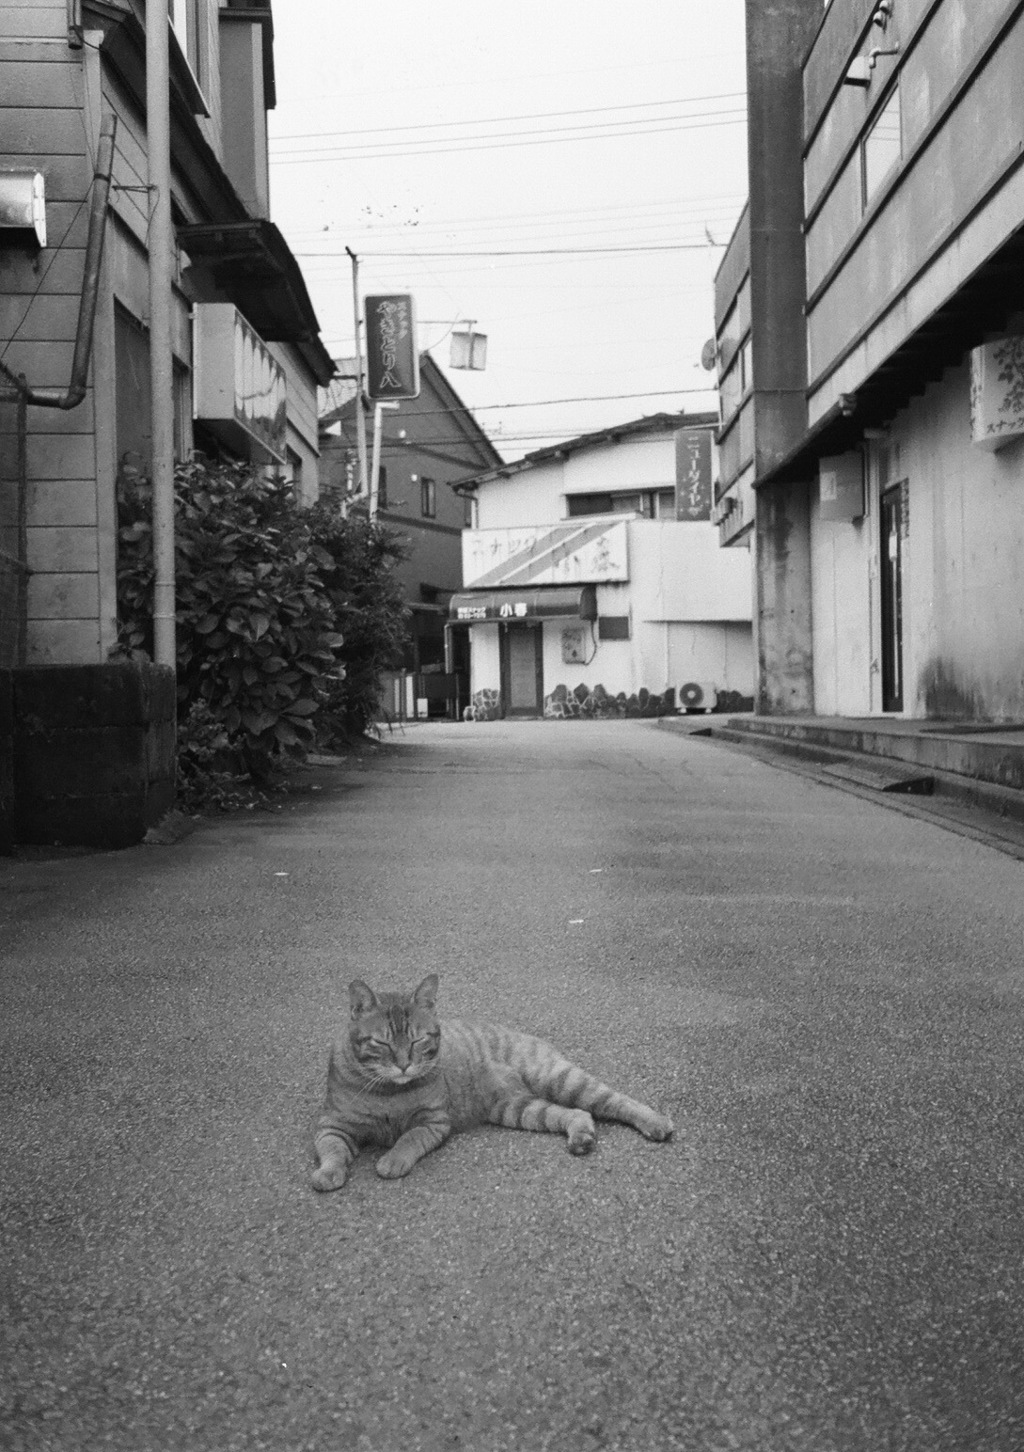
column 693, row 474
column 392, row 358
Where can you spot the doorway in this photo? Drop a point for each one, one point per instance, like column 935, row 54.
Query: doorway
column 522, row 670
column 893, row 523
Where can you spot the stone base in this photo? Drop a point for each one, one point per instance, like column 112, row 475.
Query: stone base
column 92, row 753
column 597, row 704
column 485, row 706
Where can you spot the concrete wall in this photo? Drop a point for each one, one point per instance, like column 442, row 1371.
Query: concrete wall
column 965, row 604
column 963, row 607
column 783, row 629
column 876, row 271
column 844, row 613
column 93, row 753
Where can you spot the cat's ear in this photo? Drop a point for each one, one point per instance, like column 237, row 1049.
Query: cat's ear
column 361, row 998
column 426, row 994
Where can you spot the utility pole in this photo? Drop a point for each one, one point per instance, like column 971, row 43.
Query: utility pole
column 364, row 481
column 161, row 366
column 378, row 420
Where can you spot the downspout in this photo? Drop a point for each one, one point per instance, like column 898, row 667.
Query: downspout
column 20, row 391
column 72, row 396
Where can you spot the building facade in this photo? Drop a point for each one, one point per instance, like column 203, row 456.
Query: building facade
column 594, row 584
column 76, row 257
column 68, row 73
column 884, row 486
column 428, row 445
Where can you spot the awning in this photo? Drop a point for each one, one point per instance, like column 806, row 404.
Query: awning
column 252, row 264
column 574, row 602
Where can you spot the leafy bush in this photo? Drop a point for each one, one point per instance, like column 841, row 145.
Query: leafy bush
column 370, row 611
column 263, row 599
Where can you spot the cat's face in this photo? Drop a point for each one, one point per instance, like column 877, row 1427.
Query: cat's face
column 395, row 1037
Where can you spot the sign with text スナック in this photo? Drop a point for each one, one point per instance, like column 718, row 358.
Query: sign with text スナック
column 392, row 358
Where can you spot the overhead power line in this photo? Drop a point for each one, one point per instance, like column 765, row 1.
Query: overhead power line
column 507, row 140
column 547, row 402
column 499, row 120
column 534, row 252
column 671, row 207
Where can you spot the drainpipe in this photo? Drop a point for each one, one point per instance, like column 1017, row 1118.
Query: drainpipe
column 161, row 364
column 18, row 389
column 72, row 396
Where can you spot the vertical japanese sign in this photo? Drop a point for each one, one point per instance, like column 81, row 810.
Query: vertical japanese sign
column 392, row 358
column 693, row 474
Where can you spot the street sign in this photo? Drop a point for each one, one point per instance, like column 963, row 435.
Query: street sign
column 392, row 357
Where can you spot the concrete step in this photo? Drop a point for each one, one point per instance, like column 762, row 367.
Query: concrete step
column 984, row 768
column 882, row 777
column 994, row 755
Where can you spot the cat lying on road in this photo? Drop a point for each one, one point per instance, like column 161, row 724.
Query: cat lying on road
column 404, row 1079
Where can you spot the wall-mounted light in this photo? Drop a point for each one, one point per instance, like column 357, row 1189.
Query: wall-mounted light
column 882, row 15
column 858, row 72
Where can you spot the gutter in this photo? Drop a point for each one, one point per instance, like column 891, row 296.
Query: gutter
column 72, row 396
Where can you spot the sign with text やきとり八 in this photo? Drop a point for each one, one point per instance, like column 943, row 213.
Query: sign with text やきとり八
column 392, row 357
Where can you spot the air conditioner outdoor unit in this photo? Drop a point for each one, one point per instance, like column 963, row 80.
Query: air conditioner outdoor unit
column 698, row 695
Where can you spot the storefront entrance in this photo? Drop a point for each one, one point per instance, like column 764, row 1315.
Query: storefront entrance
column 522, row 673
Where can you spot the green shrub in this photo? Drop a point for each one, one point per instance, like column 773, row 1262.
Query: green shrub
column 266, row 594
column 370, row 612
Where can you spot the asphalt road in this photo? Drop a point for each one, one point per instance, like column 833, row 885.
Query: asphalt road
column 825, row 996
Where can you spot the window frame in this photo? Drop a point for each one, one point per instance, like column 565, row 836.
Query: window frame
column 867, row 195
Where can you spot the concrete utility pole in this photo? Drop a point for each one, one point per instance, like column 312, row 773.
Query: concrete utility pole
column 360, row 416
column 161, row 365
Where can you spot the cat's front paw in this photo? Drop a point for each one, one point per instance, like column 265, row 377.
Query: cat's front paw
column 330, row 1176
column 658, row 1127
column 393, row 1166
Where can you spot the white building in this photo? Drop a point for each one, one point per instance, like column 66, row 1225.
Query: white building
column 594, row 583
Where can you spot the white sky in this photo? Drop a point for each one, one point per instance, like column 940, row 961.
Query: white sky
column 392, row 136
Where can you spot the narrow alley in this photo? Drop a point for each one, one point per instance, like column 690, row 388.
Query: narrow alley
column 824, row 995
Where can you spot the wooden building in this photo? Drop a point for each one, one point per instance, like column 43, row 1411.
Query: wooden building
column 429, row 445
column 74, row 296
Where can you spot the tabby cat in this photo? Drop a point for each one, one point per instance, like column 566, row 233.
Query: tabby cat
column 404, row 1079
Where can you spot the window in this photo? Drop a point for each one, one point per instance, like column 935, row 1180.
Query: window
column 133, row 426
column 650, row 503
column 468, row 510
column 188, row 18
column 428, row 498
column 746, row 367
column 882, row 147
column 579, row 504
column 730, row 390
column 613, row 627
